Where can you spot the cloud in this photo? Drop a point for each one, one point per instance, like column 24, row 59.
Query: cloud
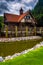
column 13, row 6
column 27, row 1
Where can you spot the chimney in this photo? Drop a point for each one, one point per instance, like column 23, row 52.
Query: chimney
column 21, row 11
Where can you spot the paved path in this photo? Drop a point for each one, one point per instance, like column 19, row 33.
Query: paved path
column 19, row 38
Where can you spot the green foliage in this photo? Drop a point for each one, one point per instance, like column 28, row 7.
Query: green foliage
column 38, row 12
column 1, row 19
column 38, row 8
column 0, row 25
column 1, row 22
column 40, row 20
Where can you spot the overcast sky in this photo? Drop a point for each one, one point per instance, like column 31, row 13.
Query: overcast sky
column 13, row 6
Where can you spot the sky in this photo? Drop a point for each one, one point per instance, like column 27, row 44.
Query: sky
column 13, row 6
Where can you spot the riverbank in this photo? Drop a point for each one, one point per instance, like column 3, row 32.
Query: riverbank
column 19, row 38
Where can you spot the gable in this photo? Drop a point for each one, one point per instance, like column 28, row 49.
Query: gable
column 27, row 18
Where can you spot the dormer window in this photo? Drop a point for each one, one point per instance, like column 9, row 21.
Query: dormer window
column 27, row 17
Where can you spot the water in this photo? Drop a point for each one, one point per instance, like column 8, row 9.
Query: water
column 15, row 47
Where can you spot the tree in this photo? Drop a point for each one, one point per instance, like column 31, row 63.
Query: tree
column 0, row 28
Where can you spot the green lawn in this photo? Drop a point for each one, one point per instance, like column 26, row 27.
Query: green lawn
column 9, row 48
column 34, row 57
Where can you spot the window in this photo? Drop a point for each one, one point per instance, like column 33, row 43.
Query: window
column 27, row 17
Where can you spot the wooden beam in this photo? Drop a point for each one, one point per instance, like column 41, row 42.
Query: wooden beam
column 16, row 31
column 35, row 30
column 6, row 31
column 26, row 30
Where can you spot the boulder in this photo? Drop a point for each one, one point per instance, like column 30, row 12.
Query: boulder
column 1, row 59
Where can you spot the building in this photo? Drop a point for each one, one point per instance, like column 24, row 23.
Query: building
column 18, row 25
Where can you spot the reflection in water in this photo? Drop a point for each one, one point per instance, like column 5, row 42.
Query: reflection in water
column 15, row 47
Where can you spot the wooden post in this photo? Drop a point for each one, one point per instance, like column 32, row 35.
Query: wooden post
column 40, row 30
column 16, row 31
column 6, row 31
column 35, row 30
column 26, row 30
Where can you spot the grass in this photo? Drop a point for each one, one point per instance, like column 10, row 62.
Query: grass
column 34, row 57
column 18, row 46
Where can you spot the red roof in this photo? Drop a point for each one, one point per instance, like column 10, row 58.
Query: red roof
column 11, row 17
column 15, row 18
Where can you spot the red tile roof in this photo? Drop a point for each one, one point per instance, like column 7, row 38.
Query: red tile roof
column 15, row 18
column 11, row 17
